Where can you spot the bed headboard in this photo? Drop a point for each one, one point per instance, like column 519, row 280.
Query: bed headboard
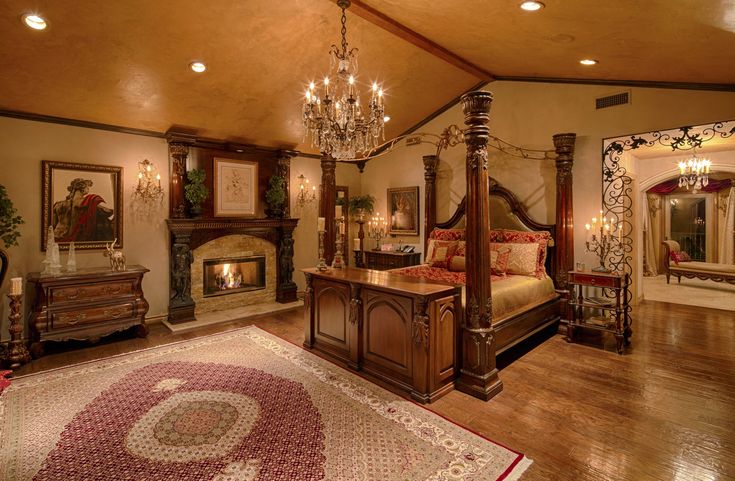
column 507, row 212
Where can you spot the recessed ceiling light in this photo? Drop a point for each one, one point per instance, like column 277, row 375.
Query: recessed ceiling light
column 532, row 6
column 36, row 22
column 588, row 61
column 198, row 67
column 386, row 118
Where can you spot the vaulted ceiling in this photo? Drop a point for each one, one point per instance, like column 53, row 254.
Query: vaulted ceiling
column 126, row 62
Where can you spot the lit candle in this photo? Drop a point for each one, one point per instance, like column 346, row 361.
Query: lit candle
column 326, row 86
column 158, row 178
column 320, row 224
column 342, row 228
column 380, row 96
column 356, row 244
column 16, row 286
column 338, row 211
column 587, row 231
column 375, row 89
column 352, row 84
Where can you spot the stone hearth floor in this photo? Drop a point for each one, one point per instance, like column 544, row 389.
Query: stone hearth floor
column 693, row 292
column 227, row 315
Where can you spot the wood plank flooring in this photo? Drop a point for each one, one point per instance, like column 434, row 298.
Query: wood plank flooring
column 663, row 411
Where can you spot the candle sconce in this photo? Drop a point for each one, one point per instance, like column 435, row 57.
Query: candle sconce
column 608, row 240
column 148, row 191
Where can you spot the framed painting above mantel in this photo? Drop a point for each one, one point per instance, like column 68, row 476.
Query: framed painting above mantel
column 235, row 188
column 83, row 203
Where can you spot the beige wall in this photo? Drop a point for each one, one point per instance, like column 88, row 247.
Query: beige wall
column 528, row 114
column 26, row 143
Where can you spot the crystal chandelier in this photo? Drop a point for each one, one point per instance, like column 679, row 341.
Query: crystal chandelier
column 333, row 115
column 694, row 173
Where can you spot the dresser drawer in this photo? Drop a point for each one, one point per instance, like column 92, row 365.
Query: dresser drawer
column 92, row 315
column 89, row 292
column 593, row 280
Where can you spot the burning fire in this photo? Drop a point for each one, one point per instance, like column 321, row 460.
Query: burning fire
column 228, row 278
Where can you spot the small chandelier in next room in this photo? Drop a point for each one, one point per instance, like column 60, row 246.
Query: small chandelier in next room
column 333, row 115
column 694, row 173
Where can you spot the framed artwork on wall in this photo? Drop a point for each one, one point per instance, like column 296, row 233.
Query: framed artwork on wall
column 403, row 208
column 83, row 203
column 235, row 188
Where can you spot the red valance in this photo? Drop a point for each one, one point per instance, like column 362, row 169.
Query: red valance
column 669, row 186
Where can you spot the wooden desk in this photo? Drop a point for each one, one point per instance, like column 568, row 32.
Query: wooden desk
column 399, row 329
column 87, row 304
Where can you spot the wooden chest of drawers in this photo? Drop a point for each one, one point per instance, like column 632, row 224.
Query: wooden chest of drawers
column 87, row 304
column 384, row 260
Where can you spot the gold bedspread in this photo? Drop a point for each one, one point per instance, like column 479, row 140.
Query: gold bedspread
column 516, row 294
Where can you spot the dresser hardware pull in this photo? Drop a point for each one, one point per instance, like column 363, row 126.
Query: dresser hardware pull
column 71, row 320
column 114, row 313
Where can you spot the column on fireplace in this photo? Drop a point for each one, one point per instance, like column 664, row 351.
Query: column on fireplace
column 286, row 287
column 327, row 198
column 181, row 305
column 178, row 153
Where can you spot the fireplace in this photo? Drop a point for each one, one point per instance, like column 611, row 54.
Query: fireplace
column 233, row 274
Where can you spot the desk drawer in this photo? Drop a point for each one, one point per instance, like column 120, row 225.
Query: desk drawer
column 92, row 315
column 87, row 292
column 593, row 280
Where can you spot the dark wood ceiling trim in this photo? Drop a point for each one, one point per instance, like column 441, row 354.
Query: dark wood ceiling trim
column 386, row 23
column 624, row 83
column 79, row 123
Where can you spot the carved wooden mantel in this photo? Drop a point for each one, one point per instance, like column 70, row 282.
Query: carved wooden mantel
column 188, row 234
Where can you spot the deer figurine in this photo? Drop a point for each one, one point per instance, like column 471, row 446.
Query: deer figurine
column 117, row 258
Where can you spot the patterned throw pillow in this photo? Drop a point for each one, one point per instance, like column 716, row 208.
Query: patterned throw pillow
column 523, row 258
column 679, row 256
column 461, row 249
column 499, row 257
column 447, row 234
column 439, row 252
column 456, row 263
column 542, row 238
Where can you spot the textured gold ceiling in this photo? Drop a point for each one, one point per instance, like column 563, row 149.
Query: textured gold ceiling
column 126, row 62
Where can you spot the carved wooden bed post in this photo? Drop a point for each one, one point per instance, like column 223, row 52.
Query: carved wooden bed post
column 327, row 200
column 430, row 163
column 479, row 375
column 564, row 146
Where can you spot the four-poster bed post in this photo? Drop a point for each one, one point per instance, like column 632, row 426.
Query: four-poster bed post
column 564, row 147
column 478, row 372
column 430, row 162
column 327, row 201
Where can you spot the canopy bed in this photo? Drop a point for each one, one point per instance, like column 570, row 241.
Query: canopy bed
column 461, row 330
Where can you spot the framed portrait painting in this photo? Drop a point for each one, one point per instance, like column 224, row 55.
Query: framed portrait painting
column 235, row 188
column 403, row 207
column 83, row 203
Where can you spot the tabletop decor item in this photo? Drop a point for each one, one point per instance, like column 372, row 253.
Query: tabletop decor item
column 195, row 191
column 322, row 265
column 608, row 240
column 377, row 229
column 275, row 197
column 52, row 263
column 16, row 354
column 338, row 261
column 71, row 263
column 117, row 258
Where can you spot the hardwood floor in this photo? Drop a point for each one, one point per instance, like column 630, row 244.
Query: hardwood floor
column 663, row 411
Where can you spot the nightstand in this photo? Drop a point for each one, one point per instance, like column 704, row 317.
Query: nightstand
column 384, row 260
column 610, row 298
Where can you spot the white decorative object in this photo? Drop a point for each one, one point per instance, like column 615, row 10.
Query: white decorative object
column 52, row 263
column 16, row 286
column 117, row 258
column 71, row 263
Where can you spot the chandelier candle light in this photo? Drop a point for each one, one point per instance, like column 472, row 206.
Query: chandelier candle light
column 333, row 117
column 305, row 196
column 609, row 239
column 694, row 173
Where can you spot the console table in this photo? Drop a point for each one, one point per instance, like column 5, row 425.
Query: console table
column 619, row 321
column 400, row 330
column 87, row 304
column 384, row 260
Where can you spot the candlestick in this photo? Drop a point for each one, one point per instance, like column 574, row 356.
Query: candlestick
column 16, row 286
column 320, row 223
column 17, row 354
column 321, row 265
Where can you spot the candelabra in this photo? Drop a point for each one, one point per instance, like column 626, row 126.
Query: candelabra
column 305, row 196
column 609, row 239
column 148, row 190
column 17, row 354
column 322, row 265
column 359, row 261
column 377, row 229
column 338, row 261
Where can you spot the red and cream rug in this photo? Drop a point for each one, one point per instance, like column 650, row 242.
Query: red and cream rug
column 239, row 406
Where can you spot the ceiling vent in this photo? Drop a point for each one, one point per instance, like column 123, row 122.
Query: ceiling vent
column 612, row 100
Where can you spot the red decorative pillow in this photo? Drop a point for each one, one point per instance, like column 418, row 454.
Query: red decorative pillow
column 447, row 234
column 499, row 258
column 461, row 249
column 679, row 256
column 440, row 252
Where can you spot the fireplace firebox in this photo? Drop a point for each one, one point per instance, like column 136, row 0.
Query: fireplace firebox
column 234, row 274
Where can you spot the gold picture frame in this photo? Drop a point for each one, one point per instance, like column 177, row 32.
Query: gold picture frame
column 235, row 188
column 403, row 211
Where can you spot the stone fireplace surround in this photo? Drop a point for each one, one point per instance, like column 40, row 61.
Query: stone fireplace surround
column 188, row 234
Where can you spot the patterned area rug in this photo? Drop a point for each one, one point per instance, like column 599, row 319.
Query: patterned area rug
column 239, row 406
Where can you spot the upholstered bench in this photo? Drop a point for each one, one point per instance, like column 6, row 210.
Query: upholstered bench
column 692, row 269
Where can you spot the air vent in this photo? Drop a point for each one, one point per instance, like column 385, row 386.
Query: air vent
column 613, row 100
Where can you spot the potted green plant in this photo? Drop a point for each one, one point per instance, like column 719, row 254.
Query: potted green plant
column 195, row 191
column 275, row 197
column 9, row 233
column 361, row 205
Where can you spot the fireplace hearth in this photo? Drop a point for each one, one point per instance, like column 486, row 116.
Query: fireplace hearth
column 235, row 274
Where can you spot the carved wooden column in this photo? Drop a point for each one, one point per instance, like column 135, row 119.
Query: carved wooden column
column 177, row 205
column 181, row 305
column 327, row 198
column 564, row 146
column 284, row 170
column 479, row 375
column 430, row 163
column 286, row 289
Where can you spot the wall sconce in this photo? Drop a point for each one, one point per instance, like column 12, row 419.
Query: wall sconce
column 148, row 190
column 306, row 195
